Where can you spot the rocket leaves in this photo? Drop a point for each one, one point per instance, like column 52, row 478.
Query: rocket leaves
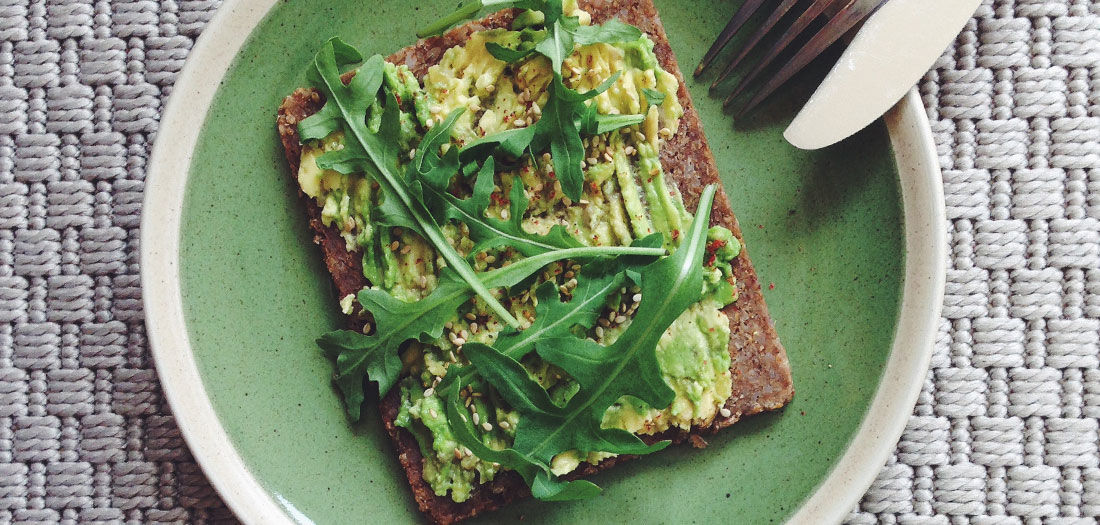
column 353, row 101
column 360, row 357
column 604, row 374
column 565, row 115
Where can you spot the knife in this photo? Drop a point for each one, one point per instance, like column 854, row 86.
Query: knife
column 889, row 54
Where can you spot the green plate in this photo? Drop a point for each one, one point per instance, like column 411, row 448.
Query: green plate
column 236, row 293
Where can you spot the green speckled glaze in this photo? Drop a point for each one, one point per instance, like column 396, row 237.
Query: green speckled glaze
column 825, row 227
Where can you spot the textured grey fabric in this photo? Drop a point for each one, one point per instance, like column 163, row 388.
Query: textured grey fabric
column 1004, row 431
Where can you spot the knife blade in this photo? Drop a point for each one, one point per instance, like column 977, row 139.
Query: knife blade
column 889, row 54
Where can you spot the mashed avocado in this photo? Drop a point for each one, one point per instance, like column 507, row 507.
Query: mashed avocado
column 625, row 197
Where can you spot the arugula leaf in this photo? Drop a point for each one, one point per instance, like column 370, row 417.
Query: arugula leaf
column 604, row 373
column 653, row 96
column 610, row 32
column 485, row 231
column 559, row 127
column 593, row 123
column 360, row 357
column 469, row 9
column 507, row 55
column 543, row 484
column 353, row 101
column 488, row 232
column 565, row 116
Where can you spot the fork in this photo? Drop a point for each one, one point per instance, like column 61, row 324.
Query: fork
column 842, row 16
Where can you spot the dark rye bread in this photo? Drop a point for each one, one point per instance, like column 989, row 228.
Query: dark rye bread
column 759, row 367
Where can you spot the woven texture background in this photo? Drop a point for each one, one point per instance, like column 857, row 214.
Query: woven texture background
column 1005, row 429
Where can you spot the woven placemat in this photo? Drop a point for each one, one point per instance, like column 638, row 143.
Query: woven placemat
column 1005, row 428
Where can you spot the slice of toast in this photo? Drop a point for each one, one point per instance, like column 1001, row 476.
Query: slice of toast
column 759, row 366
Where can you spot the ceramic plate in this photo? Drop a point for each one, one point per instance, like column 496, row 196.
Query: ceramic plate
column 847, row 242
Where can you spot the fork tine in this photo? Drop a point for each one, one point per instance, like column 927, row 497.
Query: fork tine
column 799, row 25
column 845, row 20
column 754, row 40
column 739, row 18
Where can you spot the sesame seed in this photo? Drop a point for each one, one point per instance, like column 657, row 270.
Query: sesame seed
column 406, row 249
column 458, row 454
column 487, row 426
column 473, row 328
column 599, row 332
column 607, row 156
column 451, row 354
column 637, row 297
column 423, row 281
column 464, row 334
column 519, row 123
column 620, row 319
column 448, row 325
column 433, row 412
column 640, row 136
column 504, row 424
column 477, row 418
column 459, row 341
column 394, row 245
column 604, row 322
column 584, row 164
column 412, row 153
column 504, row 214
column 592, row 161
column 466, row 451
column 563, row 288
column 429, row 392
column 725, row 412
column 470, row 316
column 665, row 132
column 468, row 401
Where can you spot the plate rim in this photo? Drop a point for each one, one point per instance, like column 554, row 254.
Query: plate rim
column 924, row 223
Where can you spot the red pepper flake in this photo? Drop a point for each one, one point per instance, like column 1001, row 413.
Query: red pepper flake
column 771, row 286
column 675, row 234
column 552, row 175
column 419, row 260
column 713, row 247
column 398, row 97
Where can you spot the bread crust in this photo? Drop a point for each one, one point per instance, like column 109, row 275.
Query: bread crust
column 759, row 367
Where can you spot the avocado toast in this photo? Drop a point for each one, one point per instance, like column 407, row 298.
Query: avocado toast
column 720, row 355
